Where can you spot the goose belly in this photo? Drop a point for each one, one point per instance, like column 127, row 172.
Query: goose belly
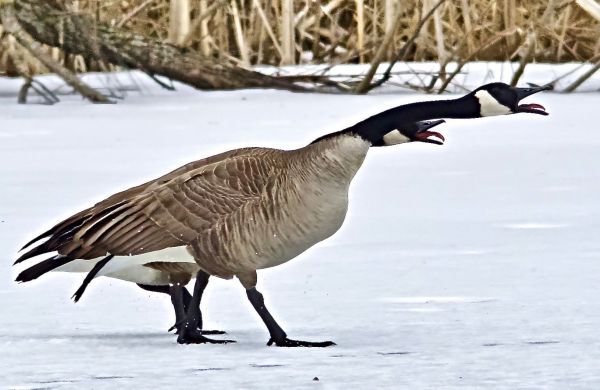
column 295, row 230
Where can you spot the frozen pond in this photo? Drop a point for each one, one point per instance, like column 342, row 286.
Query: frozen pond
column 470, row 265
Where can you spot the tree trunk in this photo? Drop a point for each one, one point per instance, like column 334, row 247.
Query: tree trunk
column 50, row 23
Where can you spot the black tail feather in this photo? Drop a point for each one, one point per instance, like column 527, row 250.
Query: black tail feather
column 101, row 221
column 90, row 276
column 43, row 235
column 42, row 267
column 57, row 229
column 38, row 250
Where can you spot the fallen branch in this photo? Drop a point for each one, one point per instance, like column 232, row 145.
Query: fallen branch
column 48, row 22
column 11, row 25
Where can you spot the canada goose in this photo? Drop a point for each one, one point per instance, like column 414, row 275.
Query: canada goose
column 251, row 208
column 169, row 273
column 168, row 277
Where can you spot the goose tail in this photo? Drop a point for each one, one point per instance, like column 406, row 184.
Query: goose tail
column 42, row 267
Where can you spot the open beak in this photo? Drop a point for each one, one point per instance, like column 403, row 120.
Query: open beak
column 423, row 133
column 532, row 108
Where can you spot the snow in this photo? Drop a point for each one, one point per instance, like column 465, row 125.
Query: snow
column 469, row 265
column 471, row 75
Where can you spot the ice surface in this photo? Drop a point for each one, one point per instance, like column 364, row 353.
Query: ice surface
column 469, row 265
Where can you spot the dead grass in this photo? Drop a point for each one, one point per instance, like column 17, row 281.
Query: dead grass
column 279, row 32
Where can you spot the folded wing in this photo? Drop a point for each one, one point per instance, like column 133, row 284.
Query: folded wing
column 167, row 212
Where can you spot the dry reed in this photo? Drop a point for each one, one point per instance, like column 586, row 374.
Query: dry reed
column 280, row 32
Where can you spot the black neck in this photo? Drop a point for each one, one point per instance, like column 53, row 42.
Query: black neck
column 374, row 128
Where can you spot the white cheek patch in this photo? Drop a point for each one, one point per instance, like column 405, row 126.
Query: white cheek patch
column 395, row 137
column 489, row 105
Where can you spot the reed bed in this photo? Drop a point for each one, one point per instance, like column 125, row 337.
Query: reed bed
column 284, row 32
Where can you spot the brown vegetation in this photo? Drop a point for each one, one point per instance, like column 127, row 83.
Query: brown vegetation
column 341, row 31
column 279, row 32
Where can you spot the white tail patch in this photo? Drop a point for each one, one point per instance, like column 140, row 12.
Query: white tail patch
column 131, row 268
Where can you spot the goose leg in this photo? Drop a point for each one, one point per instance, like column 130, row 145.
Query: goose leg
column 180, row 298
column 189, row 332
column 187, row 298
column 278, row 335
column 179, row 305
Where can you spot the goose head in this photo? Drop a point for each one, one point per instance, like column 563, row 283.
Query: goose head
column 502, row 99
column 413, row 132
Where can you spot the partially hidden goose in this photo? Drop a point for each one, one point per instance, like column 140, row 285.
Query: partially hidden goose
column 250, row 208
column 168, row 276
column 169, row 271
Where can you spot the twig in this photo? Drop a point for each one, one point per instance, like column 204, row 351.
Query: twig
column 573, row 70
column 591, row 7
column 267, row 26
column 22, row 97
column 134, row 13
column 464, row 61
column 239, row 35
column 198, row 21
column 528, row 52
column 529, row 49
column 363, row 86
column 583, row 78
column 44, row 92
column 168, row 87
column 404, row 50
column 318, row 79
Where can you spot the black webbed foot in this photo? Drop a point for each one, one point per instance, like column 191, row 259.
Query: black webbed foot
column 298, row 343
column 213, row 331
column 196, row 337
column 179, row 325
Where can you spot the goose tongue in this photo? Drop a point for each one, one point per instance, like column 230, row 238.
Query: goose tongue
column 423, row 136
column 533, row 108
column 423, row 132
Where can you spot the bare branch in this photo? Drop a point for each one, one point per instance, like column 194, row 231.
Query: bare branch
column 404, row 50
column 580, row 80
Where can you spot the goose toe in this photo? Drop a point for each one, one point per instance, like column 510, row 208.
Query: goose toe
column 285, row 342
column 196, row 337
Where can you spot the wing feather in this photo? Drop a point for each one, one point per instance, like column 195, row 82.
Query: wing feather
column 167, row 212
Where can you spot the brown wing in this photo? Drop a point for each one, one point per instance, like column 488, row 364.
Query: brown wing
column 113, row 201
column 163, row 213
